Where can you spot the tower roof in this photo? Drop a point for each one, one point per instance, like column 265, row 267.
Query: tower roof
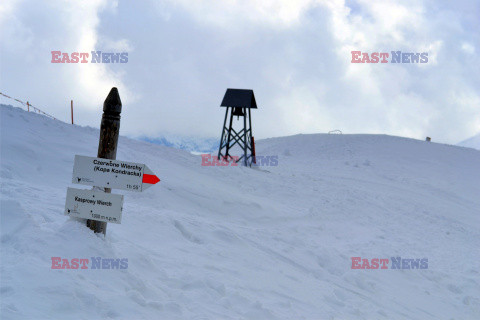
column 243, row 98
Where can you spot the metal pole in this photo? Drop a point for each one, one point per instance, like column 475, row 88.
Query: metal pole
column 28, row 106
column 254, row 159
column 250, row 129
column 107, row 145
column 245, row 146
column 71, row 108
column 229, row 132
column 223, row 134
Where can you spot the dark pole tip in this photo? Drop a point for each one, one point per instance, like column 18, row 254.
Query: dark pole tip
column 112, row 102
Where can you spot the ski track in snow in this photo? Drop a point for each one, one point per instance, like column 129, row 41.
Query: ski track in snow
column 242, row 243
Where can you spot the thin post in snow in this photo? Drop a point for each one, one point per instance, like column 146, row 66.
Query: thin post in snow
column 107, row 144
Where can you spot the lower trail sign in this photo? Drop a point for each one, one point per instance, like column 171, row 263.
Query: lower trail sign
column 95, row 205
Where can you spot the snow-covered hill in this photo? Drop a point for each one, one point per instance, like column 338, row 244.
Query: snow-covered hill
column 473, row 142
column 242, row 243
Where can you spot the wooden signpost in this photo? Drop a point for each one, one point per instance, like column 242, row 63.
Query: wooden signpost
column 105, row 173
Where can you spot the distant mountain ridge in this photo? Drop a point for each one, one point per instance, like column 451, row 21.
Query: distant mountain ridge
column 473, row 142
column 187, row 143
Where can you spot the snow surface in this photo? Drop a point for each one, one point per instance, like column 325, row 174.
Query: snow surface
column 473, row 142
column 244, row 243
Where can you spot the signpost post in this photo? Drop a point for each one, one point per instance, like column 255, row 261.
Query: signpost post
column 107, row 145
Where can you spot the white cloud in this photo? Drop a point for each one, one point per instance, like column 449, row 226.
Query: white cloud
column 226, row 13
column 294, row 54
column 31, row 33
column 468, row 48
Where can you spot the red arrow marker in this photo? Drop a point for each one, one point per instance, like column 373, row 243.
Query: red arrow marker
column 150, row 179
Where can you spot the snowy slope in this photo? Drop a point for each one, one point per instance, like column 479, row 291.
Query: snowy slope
column 241, row 243
column 473, row 142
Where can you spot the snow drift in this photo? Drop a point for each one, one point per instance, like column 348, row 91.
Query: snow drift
column 242, row 243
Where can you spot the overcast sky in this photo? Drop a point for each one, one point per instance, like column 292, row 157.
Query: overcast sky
column 294, row 54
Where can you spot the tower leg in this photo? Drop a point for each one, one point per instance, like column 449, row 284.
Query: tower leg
column 252, row 150
column 229, row 133
column 245, row 146
column 223, row 134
